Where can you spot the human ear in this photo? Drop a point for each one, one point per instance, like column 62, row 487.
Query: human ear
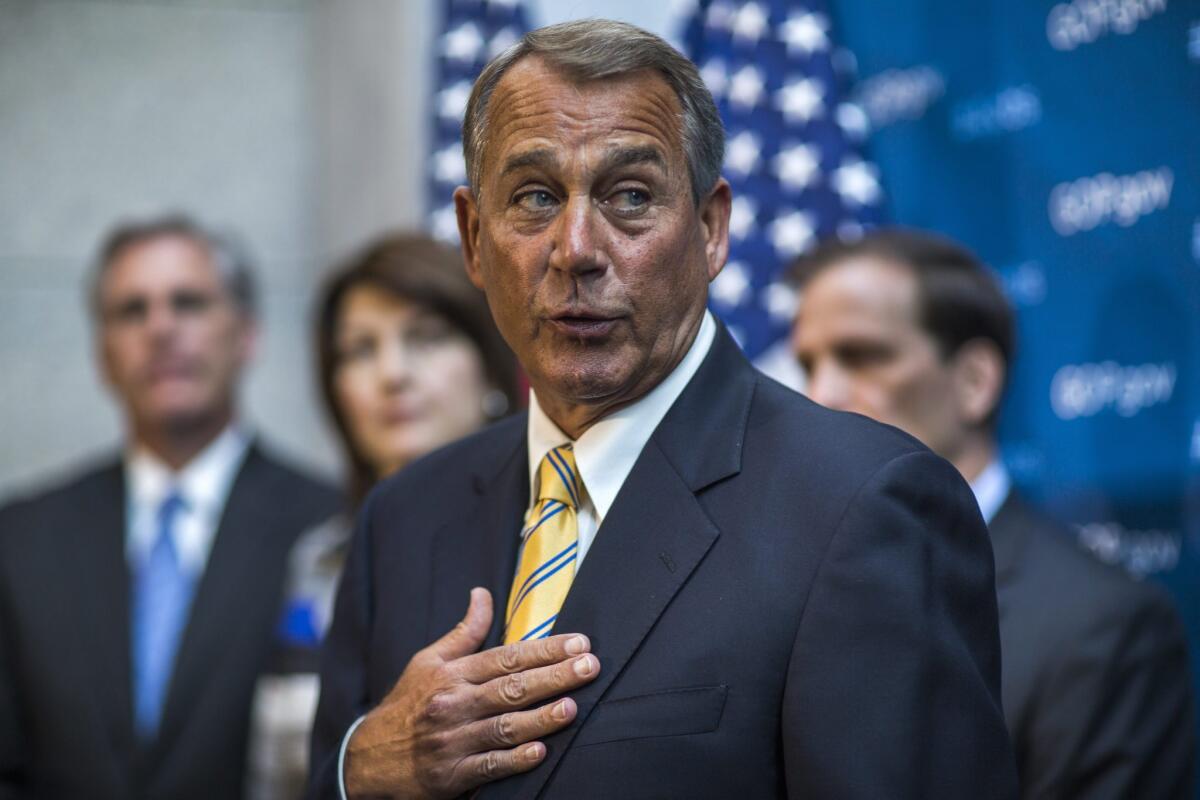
column 466, row 210
column 978, row 375
column 714, row 225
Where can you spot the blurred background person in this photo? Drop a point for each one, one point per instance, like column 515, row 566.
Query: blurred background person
column 138, row 598
column 910, row 329
column 409, row 360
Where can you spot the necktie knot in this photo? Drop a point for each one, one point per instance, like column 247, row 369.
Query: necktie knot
column 171, row 505
column 559, row 478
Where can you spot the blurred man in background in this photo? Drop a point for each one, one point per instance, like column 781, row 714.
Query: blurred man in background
column 137, row 601
column 911, row 330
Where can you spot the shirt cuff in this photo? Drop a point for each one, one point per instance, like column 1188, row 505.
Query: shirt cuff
column 341, row 765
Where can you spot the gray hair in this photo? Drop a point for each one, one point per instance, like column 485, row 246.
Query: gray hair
column 592, row 49
column 226, row 254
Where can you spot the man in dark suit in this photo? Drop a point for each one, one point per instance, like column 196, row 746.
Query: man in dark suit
column 749, row 595
column 137, row 601
column 910, row 329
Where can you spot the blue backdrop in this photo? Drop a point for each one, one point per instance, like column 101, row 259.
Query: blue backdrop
column 1062, row 143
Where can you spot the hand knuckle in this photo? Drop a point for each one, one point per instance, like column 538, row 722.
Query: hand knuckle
column 490, row 765
column 437, row 707
column 510, row 657
column 504, row 729
column 513, row 688
column 439, row 775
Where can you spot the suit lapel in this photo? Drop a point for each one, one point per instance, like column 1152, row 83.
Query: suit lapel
column 232, row 581
column 653, row 538
column 97, row 560
column 481, row 548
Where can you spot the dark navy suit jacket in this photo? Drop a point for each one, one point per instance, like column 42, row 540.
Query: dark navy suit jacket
column 1097, row 689
column 66, row 712
column 786, row 602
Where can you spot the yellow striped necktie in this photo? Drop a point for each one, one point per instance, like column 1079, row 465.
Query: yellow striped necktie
column 549, row 545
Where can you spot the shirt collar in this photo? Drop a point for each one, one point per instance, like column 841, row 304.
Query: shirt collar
column 202, row 484
column 605, row 453
column 991, row 489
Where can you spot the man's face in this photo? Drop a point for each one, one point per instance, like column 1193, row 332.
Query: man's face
column 172, row 339
column 859, row 340
column 594, row 258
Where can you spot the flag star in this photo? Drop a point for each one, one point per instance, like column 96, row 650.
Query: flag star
column 463, row 43
column 749, row 22
column 445, row 224
column 853, row 120
column 801, row 100
column 502, row 40
column 797, row 166
column 742, row 216
column 448, row 164
column 452, row 101
column 731, row 285
column 715, row 76
column 805, row 32
column 857, row 182
column 792, row 233
column 780, row 300
column 742, row 153
column 746, row 88
column 720, row 15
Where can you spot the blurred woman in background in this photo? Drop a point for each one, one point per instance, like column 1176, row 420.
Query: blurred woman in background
column 409, row 360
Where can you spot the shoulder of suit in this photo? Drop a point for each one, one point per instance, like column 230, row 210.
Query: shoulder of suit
column 36, row 517
column 64, row 490
column 1056, row 572
column 837, row 440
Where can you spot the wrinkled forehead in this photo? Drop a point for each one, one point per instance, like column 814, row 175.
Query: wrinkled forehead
column 537, row 108
column 159, row 262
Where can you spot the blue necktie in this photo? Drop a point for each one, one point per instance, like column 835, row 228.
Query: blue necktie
column 162, row 594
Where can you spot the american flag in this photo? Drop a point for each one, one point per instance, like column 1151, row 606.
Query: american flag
column 473, row 32
column 791, row 152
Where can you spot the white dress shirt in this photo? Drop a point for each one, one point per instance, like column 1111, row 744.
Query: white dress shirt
column 991, row 488
column 203, row 485
column 604, row 455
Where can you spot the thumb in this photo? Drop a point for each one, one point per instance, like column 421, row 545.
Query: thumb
column 468, row 635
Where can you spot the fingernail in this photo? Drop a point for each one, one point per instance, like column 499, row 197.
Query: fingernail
column 559, row 712
column 575, row 645
column 533, row 752
column 584, row 666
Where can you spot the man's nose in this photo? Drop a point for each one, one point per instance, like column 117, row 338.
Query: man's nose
column 161, row 320
column 829, row 386
column 576, row 242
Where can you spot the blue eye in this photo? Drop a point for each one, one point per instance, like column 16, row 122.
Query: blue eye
column 537, row 200
column 630, row 200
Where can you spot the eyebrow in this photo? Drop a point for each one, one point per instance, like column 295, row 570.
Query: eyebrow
column 629, row 156
column 540, row 157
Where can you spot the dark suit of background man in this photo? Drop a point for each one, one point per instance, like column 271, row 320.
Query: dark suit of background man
column 911, row 330
column 137, row 600
column 763, row 598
